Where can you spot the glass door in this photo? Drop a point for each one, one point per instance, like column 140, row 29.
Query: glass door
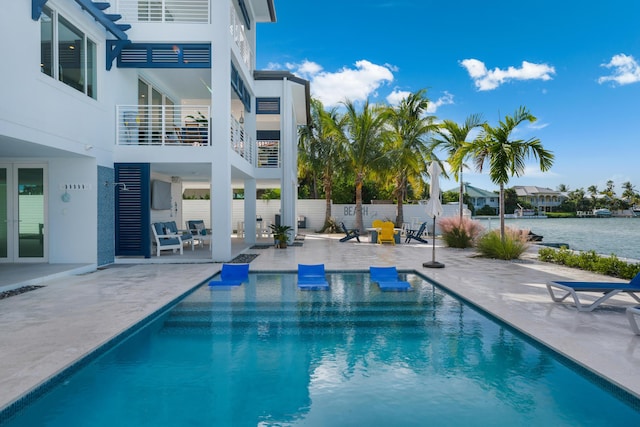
column 22, row 213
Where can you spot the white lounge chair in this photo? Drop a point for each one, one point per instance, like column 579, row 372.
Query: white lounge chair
column 608, row 289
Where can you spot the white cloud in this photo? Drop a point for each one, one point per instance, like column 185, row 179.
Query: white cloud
column 446, row 99
column 625, row 69
column 395, row 97
column 485, row 79
column 354, row 84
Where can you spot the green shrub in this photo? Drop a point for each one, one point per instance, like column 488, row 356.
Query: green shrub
column 459, row 233
column 492, row 246
column 590, row 261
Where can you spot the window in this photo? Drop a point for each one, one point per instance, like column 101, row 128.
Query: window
column 66, row 53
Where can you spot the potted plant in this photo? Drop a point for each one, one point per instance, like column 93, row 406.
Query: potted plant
column 280, row 235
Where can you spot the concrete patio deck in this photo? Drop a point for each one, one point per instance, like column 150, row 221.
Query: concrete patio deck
column 44, row 331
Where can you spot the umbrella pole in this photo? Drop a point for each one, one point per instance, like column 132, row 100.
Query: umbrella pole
column 433, row 263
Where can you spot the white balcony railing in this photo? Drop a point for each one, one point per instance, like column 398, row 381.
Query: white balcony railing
column 163, row 125
column 268, row 154
column 160, row 11
column 241, row 143
column 240, row 37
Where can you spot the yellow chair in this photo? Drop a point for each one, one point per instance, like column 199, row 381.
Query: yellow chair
column 386, row 234
column 377, row 223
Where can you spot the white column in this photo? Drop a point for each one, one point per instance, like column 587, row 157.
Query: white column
column 288, row 145
column 219, row 152
column 250, row 211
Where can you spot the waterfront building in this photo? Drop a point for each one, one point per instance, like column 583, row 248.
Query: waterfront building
column 542, row 198
column 110, row 110
column 480, row 198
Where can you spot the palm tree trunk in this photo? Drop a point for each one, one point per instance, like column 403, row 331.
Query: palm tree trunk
column 461, row 195
column 359, row 203
column 400, row 186
column 327, row 197
column 502, row 212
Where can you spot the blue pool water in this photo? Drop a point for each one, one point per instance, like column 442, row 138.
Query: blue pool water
column 269, row 354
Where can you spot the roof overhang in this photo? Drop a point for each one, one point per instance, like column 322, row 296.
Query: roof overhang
column 301, row 91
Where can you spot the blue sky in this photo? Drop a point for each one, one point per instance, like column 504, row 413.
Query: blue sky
column 575, row 65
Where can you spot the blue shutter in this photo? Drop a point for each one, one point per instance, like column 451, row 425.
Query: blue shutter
column 133, row 212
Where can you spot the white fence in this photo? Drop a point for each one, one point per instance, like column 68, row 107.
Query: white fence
column 313, row 212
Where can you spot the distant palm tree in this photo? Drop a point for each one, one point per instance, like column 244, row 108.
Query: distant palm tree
column 593, row 192
column 362, row 136
column 629, row 193
column 405, row 136
column 451, row 138
column 563, row 188
column 506, row 157
column 320, row 151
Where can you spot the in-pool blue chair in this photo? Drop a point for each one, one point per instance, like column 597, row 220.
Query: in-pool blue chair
column 608, row 289
column 387, row 279
column 312, row 277
column 232, row 275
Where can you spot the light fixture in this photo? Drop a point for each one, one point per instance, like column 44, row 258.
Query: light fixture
column 241, row 121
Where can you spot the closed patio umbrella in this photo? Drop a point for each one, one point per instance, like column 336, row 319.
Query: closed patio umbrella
column 434, row 209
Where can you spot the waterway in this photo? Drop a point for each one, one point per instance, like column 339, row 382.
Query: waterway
column 619, row 236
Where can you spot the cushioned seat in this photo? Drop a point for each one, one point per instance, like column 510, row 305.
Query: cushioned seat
column 232, row 275
column 312, row 277
column 387, row 279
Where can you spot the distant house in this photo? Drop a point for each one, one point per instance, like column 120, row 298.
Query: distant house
column 542, row 198
column 480, row 198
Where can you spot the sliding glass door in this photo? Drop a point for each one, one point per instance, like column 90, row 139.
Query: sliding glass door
column 22, row 213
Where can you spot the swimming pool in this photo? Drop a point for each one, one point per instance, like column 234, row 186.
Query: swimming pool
column 267, row 353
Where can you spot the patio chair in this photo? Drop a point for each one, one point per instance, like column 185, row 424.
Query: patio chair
column 200, row 234
column 232, row 275
column 387, row 279
column 417, row 234
column 311, row 277
column 608, row 289
column 387, row 234
column 185, row 236
column 349, row 234
column 164, row 240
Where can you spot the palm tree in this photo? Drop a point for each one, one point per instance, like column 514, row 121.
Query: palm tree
column 452, row 137
column 563, row 188
column 629, row 193
column 362, row 136
column 320, row 151
column 593, row 192
column 405, row 140
column 506, row 157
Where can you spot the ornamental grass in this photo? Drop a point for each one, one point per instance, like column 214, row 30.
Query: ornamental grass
column 460, row 232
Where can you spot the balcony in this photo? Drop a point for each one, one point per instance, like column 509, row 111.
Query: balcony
column 165, row 11
column 240, row 38
column 163, row 125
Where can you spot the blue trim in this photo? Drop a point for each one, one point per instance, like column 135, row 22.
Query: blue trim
column 161, row 55
column 240, row 88
column 107, row 20
column 245, row 13
column 103, row 18
column 36, row 8
column 114, row 47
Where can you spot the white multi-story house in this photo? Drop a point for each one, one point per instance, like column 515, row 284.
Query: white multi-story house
column 542, row 198
column 108, row 109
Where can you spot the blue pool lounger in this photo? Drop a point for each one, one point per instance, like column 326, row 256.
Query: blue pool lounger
column 608, row 289
column 312, row 277
column 387, row 279
column 232, row 275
